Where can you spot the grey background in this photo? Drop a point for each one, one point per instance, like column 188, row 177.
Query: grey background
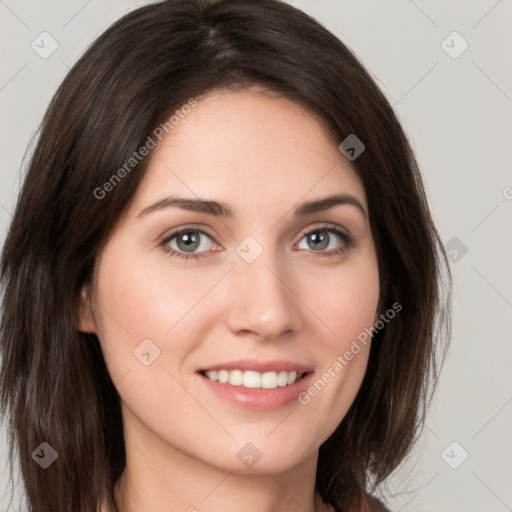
column 457, row 114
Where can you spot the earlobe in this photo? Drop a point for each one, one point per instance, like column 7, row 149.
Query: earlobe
column 85, row 318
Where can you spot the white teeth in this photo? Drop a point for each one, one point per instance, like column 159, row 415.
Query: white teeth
column 282, row 379
column 236, row 378
column 252, row 379
column 269, row 380
column 292, row 377
column 223, row 376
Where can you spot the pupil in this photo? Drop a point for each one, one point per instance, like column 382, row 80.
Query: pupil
column 315, row 237
column 189, row 239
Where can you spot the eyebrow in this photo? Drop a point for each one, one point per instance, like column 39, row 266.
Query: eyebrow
column 219, row 209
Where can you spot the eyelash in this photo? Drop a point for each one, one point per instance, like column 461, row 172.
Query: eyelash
column 348, row 242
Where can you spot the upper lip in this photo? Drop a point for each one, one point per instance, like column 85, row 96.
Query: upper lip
column 259, row 366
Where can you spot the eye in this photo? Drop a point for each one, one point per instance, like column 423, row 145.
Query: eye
column 327, row 237
column 183, row 243
column 189, row 242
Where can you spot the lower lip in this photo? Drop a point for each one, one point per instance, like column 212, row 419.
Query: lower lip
column 258, row 399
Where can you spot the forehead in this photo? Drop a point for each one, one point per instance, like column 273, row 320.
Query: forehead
column 250, row 150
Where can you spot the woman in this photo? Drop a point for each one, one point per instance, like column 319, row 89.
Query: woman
column 222, row 283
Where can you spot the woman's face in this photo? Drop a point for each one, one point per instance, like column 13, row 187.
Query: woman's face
column 257, row 291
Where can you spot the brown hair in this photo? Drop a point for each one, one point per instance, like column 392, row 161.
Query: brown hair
column 54, row 385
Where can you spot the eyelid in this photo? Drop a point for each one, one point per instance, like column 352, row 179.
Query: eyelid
column 200, row 228
column 347, row 239
column 171, row 234
column 327, row 226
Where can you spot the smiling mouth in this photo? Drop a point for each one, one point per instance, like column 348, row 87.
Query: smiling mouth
column 254, row 380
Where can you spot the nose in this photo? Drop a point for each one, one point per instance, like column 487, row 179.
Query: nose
column 261, row 298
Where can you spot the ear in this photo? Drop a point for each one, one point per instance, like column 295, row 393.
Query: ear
column 86, row 321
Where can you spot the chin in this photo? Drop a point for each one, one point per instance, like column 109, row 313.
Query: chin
column 259, row 456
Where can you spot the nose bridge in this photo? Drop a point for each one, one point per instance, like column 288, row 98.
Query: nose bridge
column 261, row 292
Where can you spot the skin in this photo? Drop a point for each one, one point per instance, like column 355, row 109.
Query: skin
column 263, row 157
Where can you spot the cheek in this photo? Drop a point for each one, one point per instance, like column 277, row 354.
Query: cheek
column 140, row 299
column 346, row 302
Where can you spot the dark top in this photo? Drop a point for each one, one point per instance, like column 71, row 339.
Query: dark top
column 375, row 506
